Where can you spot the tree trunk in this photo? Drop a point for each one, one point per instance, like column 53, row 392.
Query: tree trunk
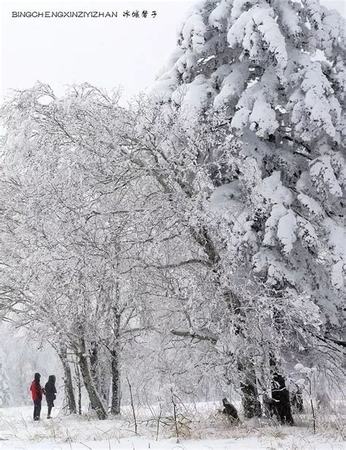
column 250, row 401
column 79, row 388
column 94, row 363
column 98, row 372
column 115, row 355
column 94, row 397
column 69, row 392
column 248, row 387
column 297, row 400
column 115, row 406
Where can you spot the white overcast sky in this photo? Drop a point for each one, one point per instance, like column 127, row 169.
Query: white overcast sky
column 104, row 52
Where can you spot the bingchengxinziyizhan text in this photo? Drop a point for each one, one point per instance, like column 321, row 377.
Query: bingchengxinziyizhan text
column 136, row 14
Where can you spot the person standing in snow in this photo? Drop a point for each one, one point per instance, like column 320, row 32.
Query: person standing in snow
column 50, row 392
column 36, row 393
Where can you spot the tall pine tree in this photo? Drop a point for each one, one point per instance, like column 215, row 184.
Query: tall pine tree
column 275, row 70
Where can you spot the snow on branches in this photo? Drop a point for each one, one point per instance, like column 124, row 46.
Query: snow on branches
column 274, row 73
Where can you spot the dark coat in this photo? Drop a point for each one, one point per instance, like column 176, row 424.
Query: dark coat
column 50, row 389
column 281, row 400
column 230, row 411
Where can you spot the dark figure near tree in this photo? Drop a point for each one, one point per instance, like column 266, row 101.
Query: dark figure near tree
column 281, row 406
column 36, row 393
column 230, row 411
column 50, row 392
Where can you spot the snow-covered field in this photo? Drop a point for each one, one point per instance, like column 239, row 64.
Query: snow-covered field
column 207, row 431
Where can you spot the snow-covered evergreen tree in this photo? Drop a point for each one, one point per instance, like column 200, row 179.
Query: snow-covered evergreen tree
column 275, row 70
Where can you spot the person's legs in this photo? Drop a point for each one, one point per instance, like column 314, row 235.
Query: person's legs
column 50, row 406
column 37, row 410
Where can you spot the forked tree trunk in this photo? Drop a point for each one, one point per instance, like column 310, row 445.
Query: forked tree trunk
column 95, row 400
column 98, row 373
column 68, row 384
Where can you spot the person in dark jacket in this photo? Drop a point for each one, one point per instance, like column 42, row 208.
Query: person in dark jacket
column 50, row 392
column 230, row 411
column 36, row 393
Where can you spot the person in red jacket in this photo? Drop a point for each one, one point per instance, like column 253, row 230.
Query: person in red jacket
column 36, row 393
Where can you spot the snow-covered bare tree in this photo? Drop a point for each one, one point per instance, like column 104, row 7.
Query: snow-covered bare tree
column 69, row 217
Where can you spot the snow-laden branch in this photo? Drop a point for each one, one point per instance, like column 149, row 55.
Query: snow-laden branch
column 194, row 335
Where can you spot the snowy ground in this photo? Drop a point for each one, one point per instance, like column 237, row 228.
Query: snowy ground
column 208, row 431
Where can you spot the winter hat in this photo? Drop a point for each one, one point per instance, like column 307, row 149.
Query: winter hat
column 37, row 376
